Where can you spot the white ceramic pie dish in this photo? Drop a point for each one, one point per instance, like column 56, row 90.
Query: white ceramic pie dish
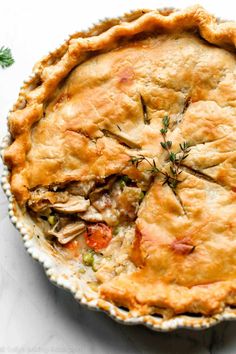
column 64, row 274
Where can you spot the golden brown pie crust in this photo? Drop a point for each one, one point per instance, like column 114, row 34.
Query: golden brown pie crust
column 181, row 64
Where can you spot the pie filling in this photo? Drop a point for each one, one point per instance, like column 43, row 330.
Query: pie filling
column 93, row 219
column 124, row 153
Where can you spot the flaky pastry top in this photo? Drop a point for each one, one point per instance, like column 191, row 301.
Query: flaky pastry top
column 121, row 78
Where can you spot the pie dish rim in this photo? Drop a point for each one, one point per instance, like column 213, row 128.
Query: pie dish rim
column 153, row 322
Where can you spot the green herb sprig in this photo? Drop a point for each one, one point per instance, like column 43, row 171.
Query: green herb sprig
column 6, row 58
column 175, row 160
column 154, row 170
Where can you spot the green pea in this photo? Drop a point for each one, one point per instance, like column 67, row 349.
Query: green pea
column 122, row 184
column 81, row 270
column 88, row 259
column 52, row 220
column 93, row 267
column 141, row 196
column 116, row 230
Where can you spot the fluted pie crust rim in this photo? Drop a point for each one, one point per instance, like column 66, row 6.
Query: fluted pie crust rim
column 35, row 91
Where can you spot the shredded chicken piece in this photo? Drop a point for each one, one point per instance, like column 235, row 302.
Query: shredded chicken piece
column 103, row 202
column 99, row 191
column 81, row 188
column 91, row 215
column 68, row 232
column 75, row 204
column 41, row 199
column 107, row 207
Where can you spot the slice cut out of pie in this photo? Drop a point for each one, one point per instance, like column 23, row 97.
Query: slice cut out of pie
column 124, row 154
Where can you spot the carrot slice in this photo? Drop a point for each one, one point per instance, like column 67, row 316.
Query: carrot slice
column 71, row 245
column 98, row 236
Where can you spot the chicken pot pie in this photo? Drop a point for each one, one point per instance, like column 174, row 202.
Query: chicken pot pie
column 124, row 152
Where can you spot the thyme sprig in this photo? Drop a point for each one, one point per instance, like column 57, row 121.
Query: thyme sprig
column 136, row 160
column 175, row 160
column 6, row 58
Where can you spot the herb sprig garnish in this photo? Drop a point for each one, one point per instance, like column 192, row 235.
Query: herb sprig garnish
column 175, row 160
column 6, row 58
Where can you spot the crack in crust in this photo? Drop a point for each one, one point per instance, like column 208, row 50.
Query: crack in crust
column 202, row 175
column 146, row 119
column 177, row 196
column 122, row 139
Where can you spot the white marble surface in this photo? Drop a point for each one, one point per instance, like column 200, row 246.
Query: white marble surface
column 35, row 316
